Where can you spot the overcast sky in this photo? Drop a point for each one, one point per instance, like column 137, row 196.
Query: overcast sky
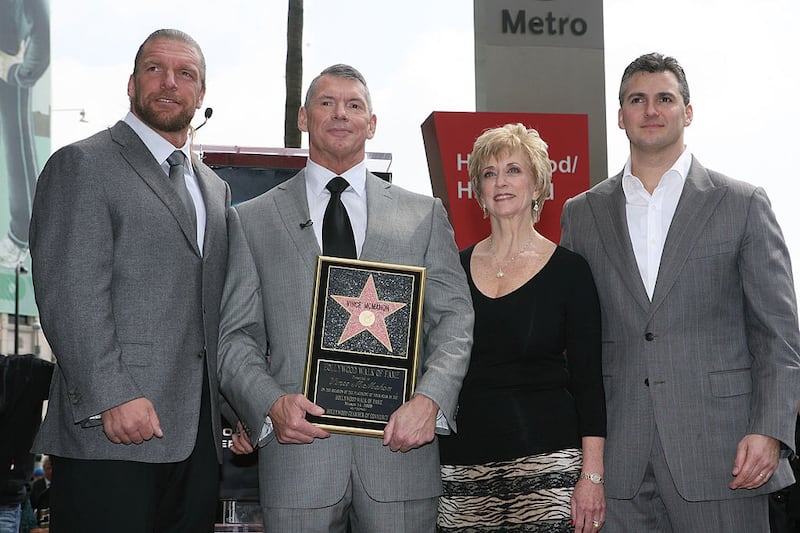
column 417, row 56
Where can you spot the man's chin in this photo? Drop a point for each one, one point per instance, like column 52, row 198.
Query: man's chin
column 166, row 122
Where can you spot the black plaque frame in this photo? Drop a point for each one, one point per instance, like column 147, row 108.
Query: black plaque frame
column 366, row 323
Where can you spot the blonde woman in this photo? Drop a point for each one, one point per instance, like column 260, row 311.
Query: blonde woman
column 528, row 455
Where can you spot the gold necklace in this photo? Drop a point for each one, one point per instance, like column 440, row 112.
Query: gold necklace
column 505, row 265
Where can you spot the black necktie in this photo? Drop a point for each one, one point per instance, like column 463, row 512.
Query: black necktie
column 337, row 233
column 175, row 161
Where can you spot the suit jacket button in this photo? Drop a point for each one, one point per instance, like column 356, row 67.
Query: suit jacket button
column 74, row 396
column 649, row 336
column 201, row 353
column 646, row 382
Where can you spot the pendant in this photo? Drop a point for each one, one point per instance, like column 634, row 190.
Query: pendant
column 500, row 274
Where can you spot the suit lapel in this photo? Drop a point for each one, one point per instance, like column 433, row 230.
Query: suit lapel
column 381, row 215
column 291, row 203
column 133, row 150
column 215, row 218
column 697, row 203
column 607, row 204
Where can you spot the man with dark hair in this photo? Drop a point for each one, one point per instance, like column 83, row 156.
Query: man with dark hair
column 700, row 332
column 311, row 480
column 129, row 247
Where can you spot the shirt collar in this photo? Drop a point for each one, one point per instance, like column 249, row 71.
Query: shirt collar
column 679, row 170
column 318, row 177
column 158, row 145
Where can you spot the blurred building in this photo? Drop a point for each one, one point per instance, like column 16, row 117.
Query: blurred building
column 29, row 340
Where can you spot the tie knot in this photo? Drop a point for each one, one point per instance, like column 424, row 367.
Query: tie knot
column 337, row 185
column 176, row 158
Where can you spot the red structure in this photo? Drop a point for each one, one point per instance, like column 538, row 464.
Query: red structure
column 448, row 143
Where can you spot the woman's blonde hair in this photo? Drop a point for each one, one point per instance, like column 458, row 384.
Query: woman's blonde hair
column 498, row 142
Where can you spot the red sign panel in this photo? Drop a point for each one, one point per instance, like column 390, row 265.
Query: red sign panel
column 448, row 141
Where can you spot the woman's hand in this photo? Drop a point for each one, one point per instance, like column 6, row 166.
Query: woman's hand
column 588, row 506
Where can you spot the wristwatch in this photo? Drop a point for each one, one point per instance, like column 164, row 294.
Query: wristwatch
column 594, row 477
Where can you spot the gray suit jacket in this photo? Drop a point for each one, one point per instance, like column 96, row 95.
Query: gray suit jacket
column 714, row 356
column 267, row 298
column 127, row 303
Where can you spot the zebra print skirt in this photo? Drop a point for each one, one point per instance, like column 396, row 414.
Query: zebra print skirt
column 527, row 494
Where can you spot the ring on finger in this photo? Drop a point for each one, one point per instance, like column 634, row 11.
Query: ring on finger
column 597, row 524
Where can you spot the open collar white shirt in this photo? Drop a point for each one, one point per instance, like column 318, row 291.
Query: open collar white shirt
column 649, row 216
column 354, row 198
column 161, row 150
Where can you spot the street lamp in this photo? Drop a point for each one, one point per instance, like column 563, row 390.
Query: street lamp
column 37, row 349
column 20, row 269
column 80, row 110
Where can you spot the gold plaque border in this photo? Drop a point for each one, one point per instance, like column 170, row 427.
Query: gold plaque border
column 324, row 263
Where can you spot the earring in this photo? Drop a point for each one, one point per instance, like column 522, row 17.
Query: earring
column 536, row 206
column 485, row 212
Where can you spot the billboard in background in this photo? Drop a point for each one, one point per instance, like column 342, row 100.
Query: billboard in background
column 448, row 141
column 24, row 138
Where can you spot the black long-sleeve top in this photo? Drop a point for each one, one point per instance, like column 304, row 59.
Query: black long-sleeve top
column 534, row 383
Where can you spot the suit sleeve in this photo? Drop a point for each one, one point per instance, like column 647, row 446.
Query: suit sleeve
column 448, row 319
column 566, row 235
column 242, row 368
column 771, row 321
column 72, row 252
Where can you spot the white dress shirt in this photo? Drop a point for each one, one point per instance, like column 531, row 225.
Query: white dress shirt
column 649, row 216
column 161, row 150
column 354, row 198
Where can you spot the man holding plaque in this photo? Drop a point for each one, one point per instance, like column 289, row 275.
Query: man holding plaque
column 310, row 479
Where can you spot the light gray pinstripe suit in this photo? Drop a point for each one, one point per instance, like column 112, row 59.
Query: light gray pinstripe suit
column 267, row 295
column 714, row 355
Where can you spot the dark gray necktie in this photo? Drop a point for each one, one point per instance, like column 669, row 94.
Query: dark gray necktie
column 176, row 171
column 337, row 232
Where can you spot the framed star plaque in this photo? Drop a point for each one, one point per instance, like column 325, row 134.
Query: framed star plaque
column 363, row 342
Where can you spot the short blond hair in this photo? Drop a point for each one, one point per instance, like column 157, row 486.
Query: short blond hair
column 498, row 142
